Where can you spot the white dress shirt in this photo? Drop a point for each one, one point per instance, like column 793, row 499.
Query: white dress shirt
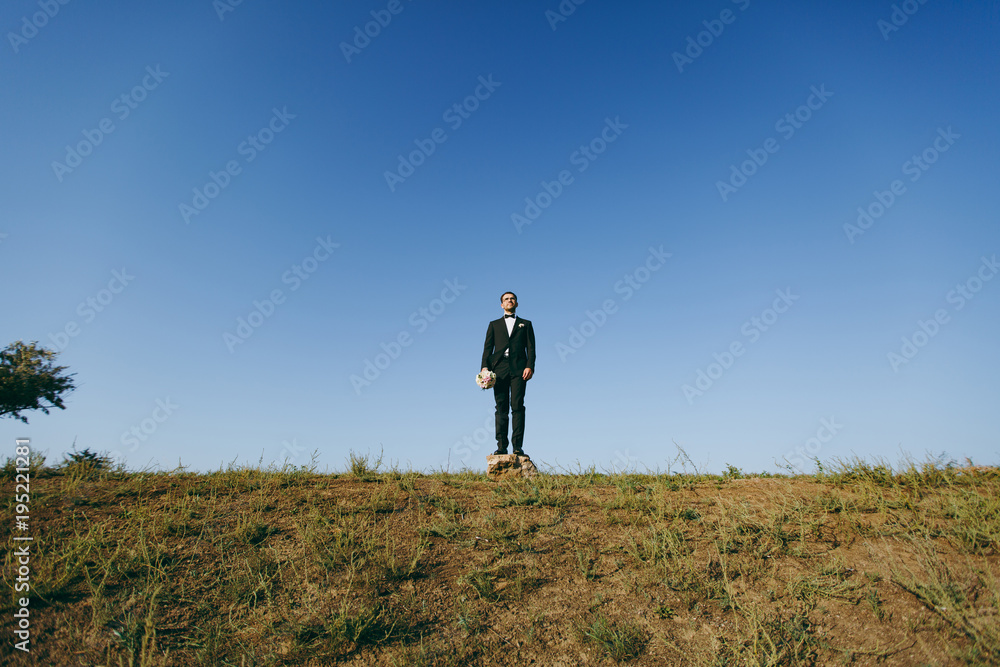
column 509, row 321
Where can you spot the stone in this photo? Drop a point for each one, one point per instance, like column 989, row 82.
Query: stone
column 509, row 466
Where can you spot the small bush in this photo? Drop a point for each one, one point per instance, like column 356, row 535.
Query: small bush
column 364, row 467
column 619, row 640
column 36, row 465
column 85, row 464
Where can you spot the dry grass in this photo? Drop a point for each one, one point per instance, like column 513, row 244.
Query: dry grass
column 859, row 565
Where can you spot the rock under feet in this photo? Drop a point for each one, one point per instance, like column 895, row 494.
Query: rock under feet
column 509, row 466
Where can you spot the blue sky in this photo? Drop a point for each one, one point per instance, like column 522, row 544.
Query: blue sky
column 672, row 190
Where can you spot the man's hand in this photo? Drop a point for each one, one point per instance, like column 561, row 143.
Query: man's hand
column 485, row 370
column 527, row 374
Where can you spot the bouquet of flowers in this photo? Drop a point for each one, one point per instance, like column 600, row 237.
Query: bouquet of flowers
column 486, row 380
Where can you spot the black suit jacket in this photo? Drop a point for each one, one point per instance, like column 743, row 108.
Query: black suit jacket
column 522, row 345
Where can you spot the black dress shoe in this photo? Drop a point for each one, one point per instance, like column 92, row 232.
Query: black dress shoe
column 519, row 452
column 500, row 452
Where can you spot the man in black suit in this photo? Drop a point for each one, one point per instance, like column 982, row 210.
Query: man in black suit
column 510, row 353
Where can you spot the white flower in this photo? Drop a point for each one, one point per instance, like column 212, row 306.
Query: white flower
column 486, row 380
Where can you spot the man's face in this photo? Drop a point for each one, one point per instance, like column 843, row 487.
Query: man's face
column 509, row 302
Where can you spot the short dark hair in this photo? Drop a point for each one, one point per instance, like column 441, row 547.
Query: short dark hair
column 506, row 293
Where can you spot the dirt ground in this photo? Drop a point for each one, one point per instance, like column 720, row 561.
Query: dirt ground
column 263, row 568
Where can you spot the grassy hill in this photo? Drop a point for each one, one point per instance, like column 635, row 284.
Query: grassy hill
column 248, row 567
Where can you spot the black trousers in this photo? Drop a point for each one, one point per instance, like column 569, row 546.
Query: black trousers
column 509, row 395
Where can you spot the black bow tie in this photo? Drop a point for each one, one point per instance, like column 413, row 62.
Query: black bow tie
column 510, row 315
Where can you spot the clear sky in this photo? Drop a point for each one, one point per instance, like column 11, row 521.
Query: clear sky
column 757, row 231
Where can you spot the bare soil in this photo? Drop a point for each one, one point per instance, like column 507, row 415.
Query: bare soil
column 253, row 567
